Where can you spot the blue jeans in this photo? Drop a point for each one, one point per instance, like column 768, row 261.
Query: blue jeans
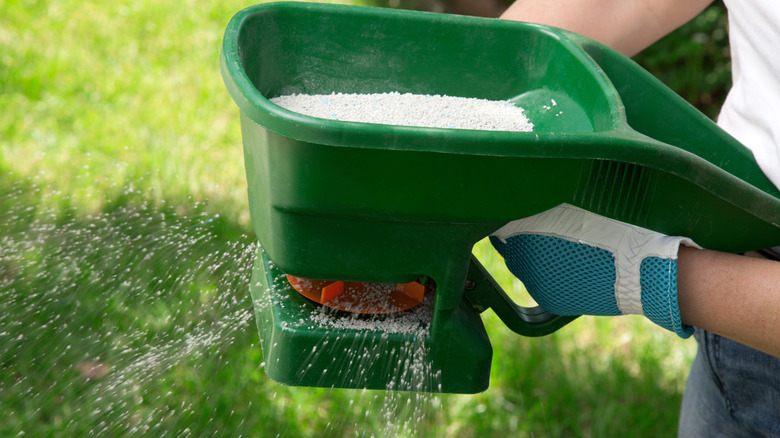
column 732, row 391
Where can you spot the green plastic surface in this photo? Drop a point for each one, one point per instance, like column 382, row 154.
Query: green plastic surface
column 371, row 202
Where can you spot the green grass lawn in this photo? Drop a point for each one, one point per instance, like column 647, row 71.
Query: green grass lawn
column 125, row 251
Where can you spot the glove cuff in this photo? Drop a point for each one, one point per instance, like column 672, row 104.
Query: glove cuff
column 658, row 278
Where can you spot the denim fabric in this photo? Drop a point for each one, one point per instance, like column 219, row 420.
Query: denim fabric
column 732, row 391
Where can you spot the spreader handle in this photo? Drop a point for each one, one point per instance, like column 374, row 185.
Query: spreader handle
column 484, row 293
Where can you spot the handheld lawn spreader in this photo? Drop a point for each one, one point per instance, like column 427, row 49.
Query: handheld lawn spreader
column 385, row 217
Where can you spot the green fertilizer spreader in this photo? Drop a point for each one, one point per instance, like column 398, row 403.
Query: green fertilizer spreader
column 392, row 204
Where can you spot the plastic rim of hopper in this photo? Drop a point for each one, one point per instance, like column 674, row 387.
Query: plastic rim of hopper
column 360, row 297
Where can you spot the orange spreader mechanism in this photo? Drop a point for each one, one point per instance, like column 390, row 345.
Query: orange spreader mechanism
column 360, row 297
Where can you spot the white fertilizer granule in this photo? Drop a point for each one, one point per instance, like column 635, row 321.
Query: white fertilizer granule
column 433, row 111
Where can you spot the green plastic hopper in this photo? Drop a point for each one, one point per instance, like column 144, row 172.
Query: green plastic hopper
column 381, row 203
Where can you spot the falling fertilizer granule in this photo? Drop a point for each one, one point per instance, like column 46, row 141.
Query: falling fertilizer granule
column 408, row 109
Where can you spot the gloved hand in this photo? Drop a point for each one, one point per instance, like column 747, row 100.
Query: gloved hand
column 574, row 262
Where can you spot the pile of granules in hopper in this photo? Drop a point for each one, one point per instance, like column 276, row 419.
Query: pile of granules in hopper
column 433, row 111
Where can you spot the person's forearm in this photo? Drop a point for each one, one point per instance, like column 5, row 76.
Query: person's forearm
column 625, row 25
column 734, row 296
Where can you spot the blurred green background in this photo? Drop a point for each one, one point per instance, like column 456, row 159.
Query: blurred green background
column 125, row 247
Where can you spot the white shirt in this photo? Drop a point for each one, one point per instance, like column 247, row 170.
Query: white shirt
column 751, row 112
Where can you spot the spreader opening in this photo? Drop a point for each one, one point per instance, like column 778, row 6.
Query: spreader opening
column 360, row 296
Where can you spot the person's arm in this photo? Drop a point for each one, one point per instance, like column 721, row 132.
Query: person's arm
column 734, row 296
column 625, row 25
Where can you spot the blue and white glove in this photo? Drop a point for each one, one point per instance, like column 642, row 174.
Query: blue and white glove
column 574, row 262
